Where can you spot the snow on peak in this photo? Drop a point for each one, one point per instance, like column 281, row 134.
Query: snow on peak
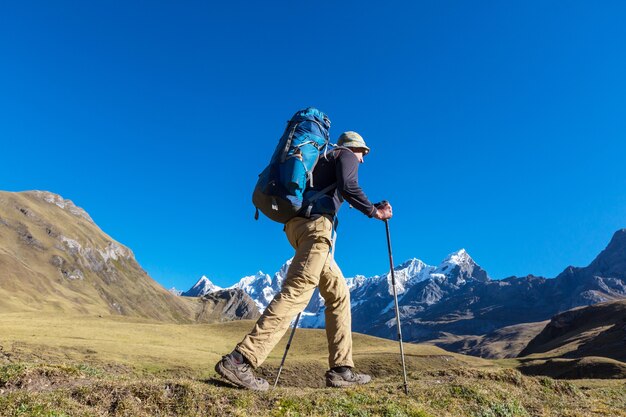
column 202, row 287
column 460, row 258
column 175, row 291
column 280, row 276
column 253, row 281
column 408, row 273
column 459, row 267
column 412, row 266
column 260, row 287
column 355, row 282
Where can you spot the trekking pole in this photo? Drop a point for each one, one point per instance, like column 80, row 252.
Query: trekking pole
column 395, row 297
column 280, row 369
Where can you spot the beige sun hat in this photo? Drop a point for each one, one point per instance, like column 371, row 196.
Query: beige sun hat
column 352, row 140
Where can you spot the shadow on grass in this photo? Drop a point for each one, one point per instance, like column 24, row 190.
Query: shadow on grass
column 218, row 383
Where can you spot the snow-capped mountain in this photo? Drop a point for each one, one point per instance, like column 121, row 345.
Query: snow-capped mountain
column 457, row 298
column 418, row 285
column 202, row 287
column 260, row 287
column 175, row 291
column 458, row 267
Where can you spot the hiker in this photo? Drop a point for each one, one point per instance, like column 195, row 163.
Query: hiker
column 312, row 266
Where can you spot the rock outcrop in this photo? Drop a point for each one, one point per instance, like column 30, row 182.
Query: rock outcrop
column 227, row 305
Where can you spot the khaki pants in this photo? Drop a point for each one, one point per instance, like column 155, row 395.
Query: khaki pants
column 312, row 266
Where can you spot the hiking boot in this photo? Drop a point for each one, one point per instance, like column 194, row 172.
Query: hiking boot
column 346, row 378
column 240, row 374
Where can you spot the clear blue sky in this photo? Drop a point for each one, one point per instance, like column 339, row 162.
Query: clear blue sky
column 499, row 127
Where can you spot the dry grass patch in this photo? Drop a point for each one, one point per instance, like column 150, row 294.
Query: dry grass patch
column 91, row 366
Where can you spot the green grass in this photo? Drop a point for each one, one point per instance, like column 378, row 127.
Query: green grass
column 92, row 366
column 190, row 350
column 479, row 393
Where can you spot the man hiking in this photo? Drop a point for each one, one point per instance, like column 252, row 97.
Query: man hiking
column 312, row 266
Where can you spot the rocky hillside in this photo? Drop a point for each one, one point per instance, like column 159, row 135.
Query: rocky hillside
column 227, row 305
column 54, row 258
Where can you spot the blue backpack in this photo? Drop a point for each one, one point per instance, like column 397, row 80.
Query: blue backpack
column 280, row 190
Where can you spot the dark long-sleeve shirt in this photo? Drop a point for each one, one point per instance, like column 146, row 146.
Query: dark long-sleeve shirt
column 340, row 166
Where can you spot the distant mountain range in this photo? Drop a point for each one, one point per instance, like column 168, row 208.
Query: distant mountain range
column 260, row 287
column 55, row 259
column 455, row 304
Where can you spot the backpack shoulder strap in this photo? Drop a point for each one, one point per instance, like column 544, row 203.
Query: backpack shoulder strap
column 334, row 148
column 316, row 197
column 321, row 192
column 283, row 154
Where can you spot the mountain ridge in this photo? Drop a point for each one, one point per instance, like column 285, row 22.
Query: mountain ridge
column 457, row 298
column 54, row 258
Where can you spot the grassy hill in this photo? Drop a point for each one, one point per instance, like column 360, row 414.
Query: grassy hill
column 81, row 365
column 586, row 342
column 192, row 349
column 506, row 342
column 597, row 330
column 54, row 258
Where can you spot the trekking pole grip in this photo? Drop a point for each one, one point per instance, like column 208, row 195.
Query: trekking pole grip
column 393, row 278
